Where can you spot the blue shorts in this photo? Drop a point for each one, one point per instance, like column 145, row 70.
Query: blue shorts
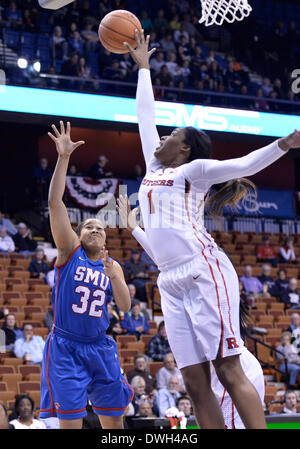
column 74, row 372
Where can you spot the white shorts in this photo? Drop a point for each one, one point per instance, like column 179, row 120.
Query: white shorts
column 200, row 303
column 254, row 372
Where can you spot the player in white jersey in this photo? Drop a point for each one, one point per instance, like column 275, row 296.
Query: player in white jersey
column 197, row 283
column 249, row 363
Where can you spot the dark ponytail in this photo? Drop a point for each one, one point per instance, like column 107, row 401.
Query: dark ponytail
column 199, row 142
column 229, row 194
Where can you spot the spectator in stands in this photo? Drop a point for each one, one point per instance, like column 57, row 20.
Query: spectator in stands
column 294, row 329
column 146, row 259
column 29, row 347
column 7, row 224
column 159, row 346
column 42, row 175
column 281, row 284
column 146, row 22
column 24, row 409
column 171, row 63
column 169, row 370
column 265, row 252
column 253, row 287
column 181, row 32
column 141, row 369
column 184, row 404
column 38, row 267
column 157, row 62
column 48, row 320
column 259, row 103
column 114, row 72
column 160, row 22
column 50, row 274
column 115, row 327
column 135, row 321
column 278, row 89
column 265, row 277
column 290, row 402
column 11, row 330
column 73, row 170
column 139, row 386
column 166, row 397
column 167, row 43
column 136, row 273
column 266, row 87
column 145, row 410
column 76, row 43
column 7, row 245
column 3, row 412
column 90, row 38
column 13, row 16
column 70, row 67
column 24, row 242
column 287, row 252
column 232, row 78
column 97, row 170
column 164, row 76
column 288, row 351
column 30, row 20
column 59, row 45
column 291, row 297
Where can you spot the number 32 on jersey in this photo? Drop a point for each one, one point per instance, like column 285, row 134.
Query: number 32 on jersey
column 97, row 300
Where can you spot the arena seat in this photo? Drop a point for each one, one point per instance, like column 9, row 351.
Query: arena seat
column 275, row 408
column 3, row 386
column 41, row 331
column 41, row 302
column 7, row 369
column 153, row 367
column 272, row 340
column 12, row 361
column 28, row 310
column 283, row 322
column 242, row 239
column 127, row 367
column 249, row 260
column 34, row 377
column 6, row 396
column 12, row 380
column 127, row 354
column 18, row 302
column 145, row 339
column 33, row 295
column 25, row 386
column 274, row 332
column 138, row 346
column 125, row 339
column 268, row 299
column 266, row 321
column 276, row 309
column 25, row 370
column 3, row 275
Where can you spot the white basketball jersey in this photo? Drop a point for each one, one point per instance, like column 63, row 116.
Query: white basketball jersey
column 173, row 216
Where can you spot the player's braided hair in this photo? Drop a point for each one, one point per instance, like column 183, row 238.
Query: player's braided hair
column 227, row 194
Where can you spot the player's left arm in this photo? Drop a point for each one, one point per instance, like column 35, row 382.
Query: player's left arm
column 209, row 171
column 119, row 287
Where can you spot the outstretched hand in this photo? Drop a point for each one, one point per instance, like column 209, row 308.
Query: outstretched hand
column 62, row 140
column 127, row 216
column 140, row 54
column 291, row 141
column 108, row 265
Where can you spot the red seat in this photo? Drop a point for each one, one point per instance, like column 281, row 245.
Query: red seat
column 25, row 386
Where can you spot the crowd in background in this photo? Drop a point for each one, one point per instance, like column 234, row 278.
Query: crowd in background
column 183, row 59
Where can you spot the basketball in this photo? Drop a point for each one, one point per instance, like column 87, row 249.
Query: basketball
column 118, row 27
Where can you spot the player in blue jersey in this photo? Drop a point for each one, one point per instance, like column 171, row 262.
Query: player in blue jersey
column 80, row 361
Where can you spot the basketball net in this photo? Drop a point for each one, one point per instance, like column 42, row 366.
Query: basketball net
column 214, row 12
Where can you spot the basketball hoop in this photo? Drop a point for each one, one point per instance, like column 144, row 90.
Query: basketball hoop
column 214, row 12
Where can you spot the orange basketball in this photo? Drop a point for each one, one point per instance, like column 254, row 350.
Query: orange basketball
column 117, row 27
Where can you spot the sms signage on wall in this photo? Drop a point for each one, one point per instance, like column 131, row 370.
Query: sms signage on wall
column 118, row 109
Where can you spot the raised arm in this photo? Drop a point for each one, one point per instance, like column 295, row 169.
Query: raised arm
column 128, row 218
column 206, row 172
column 145, row 104
column 64, row 237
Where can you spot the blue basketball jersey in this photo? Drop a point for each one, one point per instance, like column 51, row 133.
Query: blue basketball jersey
column 80, row 295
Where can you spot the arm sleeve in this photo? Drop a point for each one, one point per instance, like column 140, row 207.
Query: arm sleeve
column 141, row 237
column 206, row 172
column 145, row 109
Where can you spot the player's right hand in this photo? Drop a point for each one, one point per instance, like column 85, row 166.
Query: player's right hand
column 140, row 54
column 62, row 140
